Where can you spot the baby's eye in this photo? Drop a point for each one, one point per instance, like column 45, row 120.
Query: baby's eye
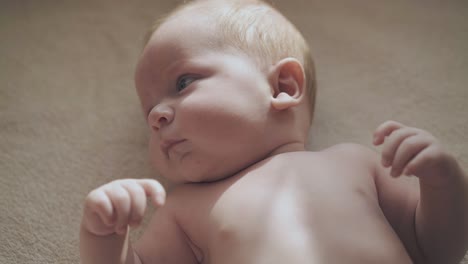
column 183, row 82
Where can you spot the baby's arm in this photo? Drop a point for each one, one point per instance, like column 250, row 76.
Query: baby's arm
column 108, row 212
column 438, row 211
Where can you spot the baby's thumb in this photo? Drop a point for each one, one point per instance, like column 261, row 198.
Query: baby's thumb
column 154, row 190
column 377, row 139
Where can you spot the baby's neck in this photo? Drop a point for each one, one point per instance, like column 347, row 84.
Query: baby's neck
column 287, row 147
column 281, row 149
column 292, row 146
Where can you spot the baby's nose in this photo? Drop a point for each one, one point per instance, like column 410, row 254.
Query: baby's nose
column 160, row 116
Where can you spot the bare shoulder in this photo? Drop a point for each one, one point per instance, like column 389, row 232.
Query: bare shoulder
column 350, row 148
column 164, row 239
column 353, row 152
column 397, row 197
column 388, row 187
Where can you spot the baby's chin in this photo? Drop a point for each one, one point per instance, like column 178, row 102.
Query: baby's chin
column 188, row 177
column 203, row 173
column 193, row 177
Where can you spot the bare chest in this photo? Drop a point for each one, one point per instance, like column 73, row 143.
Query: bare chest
column 313, row 214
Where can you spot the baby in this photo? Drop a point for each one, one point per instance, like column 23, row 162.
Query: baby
column 228, row 91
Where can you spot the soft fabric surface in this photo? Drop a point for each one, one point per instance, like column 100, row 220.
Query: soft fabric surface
column 70, row 119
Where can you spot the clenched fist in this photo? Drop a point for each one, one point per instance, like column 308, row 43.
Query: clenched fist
column 114, row 206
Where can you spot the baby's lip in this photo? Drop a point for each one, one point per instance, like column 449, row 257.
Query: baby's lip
column 169, row 143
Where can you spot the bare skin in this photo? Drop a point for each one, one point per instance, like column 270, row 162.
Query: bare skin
column 233, row 136
column 333, row 206
column 296, row 207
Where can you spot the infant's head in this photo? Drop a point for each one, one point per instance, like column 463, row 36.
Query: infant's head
column 252, row 27
column 224, row 84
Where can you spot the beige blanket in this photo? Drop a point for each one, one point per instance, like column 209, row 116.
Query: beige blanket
column 70, row 119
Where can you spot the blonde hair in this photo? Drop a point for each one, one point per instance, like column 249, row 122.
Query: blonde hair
column 258, row 30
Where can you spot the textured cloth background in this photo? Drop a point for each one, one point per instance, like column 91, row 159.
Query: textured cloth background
column 70, row 119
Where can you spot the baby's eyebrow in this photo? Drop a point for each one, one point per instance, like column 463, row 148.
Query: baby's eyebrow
column 175, row 66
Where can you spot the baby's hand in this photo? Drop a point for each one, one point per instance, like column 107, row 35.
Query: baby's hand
column 112, row 207
column 413, row 151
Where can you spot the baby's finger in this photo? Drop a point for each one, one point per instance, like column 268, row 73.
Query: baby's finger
column 384, row 130
column 121, row 201
column 138, row 202
column 430, row 164
column 154, row 190
column 100, row 204
column 393, row 142
column 408, row 150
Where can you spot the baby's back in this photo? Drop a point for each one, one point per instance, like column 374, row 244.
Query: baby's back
column 299, row 207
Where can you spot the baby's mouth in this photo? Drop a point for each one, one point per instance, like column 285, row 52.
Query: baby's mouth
column 169, row 146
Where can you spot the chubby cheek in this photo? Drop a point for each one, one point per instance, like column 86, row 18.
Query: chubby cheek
column 220, row 114
column 228, row 132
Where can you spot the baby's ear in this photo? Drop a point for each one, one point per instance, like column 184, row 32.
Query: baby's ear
column 287, row 79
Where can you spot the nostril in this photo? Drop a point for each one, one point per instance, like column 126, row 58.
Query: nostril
column 162, row 120
column 161, row 115
column 159, row 122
